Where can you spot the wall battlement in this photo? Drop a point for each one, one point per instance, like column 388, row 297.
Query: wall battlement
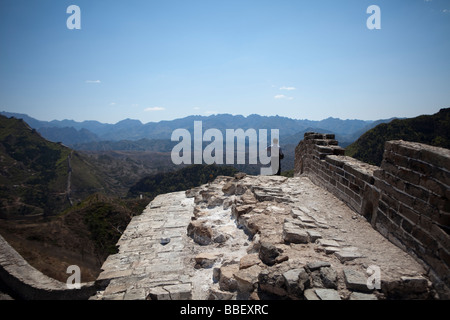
column 406, row 199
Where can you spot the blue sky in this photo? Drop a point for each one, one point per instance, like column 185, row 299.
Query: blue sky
column 161, row 60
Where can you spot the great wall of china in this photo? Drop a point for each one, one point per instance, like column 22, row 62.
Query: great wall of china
column 340, row 229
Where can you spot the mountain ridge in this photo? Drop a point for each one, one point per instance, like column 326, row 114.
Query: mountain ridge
column 433, row 130
column 73, row 133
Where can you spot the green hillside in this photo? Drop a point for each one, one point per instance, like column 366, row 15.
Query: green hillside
column 38, row 177
column 56, row 207
column 429, row 129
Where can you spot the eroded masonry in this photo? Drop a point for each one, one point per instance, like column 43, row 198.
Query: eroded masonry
column 341, row 229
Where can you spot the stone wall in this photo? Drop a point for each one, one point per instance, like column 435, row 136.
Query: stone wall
column 406, row 199
column 25, row 282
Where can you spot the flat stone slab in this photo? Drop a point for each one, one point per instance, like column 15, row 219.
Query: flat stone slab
column 355, row 280
column 362, row 296
column 327, row 294
column 179, row 291
column 314, row 235
column 309, row 294
column 316, row 265
column 294, row 234
column 328, row 243
column 152, row 266
column 344, row 256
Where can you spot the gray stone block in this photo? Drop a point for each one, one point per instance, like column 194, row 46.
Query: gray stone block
column 327, row 294
column 344, row 255
column 312, row 266
column 309, row 294
column 293, row 234
column 355, row 280
column 362, row 296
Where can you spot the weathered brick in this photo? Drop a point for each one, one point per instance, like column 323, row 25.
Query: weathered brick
column 420, row 166
column 444, row 256
column 383, row 207
column 389, row 201
column 433, row 185
column 407, row 149
column 361, row 171
column 416, row 191
column 440, row 235
column 336, row 161
column 394, row 181
column 442, row 176
column 333, row 143
column 409, row 213
column 338, row 151
column 399, row 159
column 379, row 174
column 339, row 186
column 408, row 175
column 351, row 178
column 321, row 142
column 424, row 238
column 340, row 172
column 407, row 226
column 350, row 193
column 343, row 181
column 383, row 186
column 383, row 224
column 324, row 149
column 355, row 203
column 333, row 182
column 425, row 223
column 410, row 242
column 394, row 216
column 443, row 219
column 425, row 208
column 438, row 266
column 389, row 167
column 403, row 197
column 354, row 188
column 438, row 157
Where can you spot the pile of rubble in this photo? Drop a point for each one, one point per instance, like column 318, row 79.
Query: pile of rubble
column 259, row 237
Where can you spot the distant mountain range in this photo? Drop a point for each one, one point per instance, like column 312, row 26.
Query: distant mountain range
column 135, row 135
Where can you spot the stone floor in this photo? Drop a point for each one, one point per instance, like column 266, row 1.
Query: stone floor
column 146, row 263
column 257, row 237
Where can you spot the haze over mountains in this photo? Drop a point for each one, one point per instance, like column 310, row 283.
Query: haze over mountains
column 87, row 135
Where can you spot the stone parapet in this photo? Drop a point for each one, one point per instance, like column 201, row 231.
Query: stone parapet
column 31, row 284
column 406, row 199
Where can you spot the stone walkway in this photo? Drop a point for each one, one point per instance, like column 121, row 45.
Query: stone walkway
column 257, row 238
column 153, row 254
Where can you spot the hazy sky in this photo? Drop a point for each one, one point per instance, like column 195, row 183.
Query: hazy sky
column 161, row 60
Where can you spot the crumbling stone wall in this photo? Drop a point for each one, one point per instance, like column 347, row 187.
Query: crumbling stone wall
column 27, row 283
column 406, row 199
